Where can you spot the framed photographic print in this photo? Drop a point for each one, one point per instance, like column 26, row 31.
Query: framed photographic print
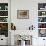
column 22, row 14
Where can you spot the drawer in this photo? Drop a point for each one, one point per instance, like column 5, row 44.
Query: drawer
column 3, row 41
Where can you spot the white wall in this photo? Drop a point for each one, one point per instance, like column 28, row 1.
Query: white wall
column 23, row 24
column 32, row 6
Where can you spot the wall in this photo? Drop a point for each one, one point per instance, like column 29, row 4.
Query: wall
column 23, row 24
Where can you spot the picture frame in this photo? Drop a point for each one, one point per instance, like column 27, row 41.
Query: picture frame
column 22, row 14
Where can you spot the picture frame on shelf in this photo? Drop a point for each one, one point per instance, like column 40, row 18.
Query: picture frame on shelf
column 22, row 14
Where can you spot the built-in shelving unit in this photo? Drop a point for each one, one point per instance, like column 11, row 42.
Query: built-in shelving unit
column 4, row 19
column 42, row 19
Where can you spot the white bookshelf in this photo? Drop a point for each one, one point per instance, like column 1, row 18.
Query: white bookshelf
column 3, row 12
column 4, row 18
column 42, row 18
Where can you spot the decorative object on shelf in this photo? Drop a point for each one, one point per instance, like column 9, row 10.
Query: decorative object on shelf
column 13, row 27
column 41, row 6
column 6, row 7
column 4, row 29
column 42, row 32
column 40, row 25
column 41, row 19
column 4, row 26
column 41, row 13
column 2, row 5
column 3, row 19
column 31, row 27
column 3, row 13
column 22, row 14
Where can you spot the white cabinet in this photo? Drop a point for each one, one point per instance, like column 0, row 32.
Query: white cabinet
column 3, row 40
column 42, row 19
column 41, row 41
column 41, row 24
column 4, row 21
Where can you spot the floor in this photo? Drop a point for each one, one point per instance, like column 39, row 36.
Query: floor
column 3, row 45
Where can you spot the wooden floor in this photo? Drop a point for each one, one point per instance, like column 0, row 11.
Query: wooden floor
column 3, row 45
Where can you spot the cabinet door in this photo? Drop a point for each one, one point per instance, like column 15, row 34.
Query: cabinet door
column 41, row 41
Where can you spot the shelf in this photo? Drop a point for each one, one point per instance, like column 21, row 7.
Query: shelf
column 41, row 28
column 4, row 19
column 3, row 16
column 41, row 22
column 3, row 10
column 41, row 10
column 3, row 22
column 42, row 16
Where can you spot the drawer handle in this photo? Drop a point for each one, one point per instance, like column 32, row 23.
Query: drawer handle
column 1, row 39
column 43, row 39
